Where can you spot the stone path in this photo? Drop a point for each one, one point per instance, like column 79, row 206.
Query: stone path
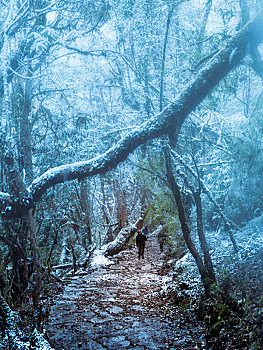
column 121, row 306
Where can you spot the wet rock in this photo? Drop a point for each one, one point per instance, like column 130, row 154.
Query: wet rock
column 115, row 310
column 98, row 320
column 118, row 342
column 138, row 308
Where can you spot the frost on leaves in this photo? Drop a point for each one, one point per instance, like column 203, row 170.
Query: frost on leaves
column 167, row 122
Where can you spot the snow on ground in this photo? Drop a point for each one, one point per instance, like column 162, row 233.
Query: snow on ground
column 99, row 259
column 184, row 277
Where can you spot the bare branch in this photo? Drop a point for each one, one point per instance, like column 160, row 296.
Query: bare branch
column 167, row 122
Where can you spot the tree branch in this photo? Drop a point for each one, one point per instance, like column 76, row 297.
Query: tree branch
column 167, row 122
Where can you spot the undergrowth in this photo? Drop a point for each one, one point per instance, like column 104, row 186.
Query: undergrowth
column 233, row 312
column 233, row 318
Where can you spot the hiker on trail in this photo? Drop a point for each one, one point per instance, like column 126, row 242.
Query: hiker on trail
column 140, row 243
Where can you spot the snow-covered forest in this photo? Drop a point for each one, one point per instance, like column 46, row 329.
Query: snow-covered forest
column 121, row 114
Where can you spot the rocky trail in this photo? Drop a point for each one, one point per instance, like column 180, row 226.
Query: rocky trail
column 122, row 306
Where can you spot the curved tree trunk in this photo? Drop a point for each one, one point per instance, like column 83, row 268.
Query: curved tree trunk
column 199, row 217
column 167, row 122
column 229, row 224
column 206, row 280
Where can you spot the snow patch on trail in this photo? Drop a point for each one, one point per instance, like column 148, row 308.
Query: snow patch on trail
column 99, row 259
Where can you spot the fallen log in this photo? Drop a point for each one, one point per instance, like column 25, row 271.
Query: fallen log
column 122, row 239
column 100, row 256
column 62, row 266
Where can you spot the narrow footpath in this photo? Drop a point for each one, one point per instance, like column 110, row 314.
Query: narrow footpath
column 122, row 306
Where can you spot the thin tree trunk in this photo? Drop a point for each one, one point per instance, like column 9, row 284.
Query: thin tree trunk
column 170, row 14
column 25, row 134
column 208, row 6
column 63, row 253
column 122, row 212
column 199, row 217
column 107, row 217
column 200, row 230
column 184, row 226
column 85, row 207
column 229, row 224
column 147, row 97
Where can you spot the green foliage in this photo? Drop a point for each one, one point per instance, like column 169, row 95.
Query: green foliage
column 229, row 318
column 160, row 202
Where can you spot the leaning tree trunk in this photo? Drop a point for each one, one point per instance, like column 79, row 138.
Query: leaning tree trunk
column 168, row 122
column 199, row 217
column 120, row 243
column 122, row 239
column 229, row 224
column 200, row 230
column 184, row 226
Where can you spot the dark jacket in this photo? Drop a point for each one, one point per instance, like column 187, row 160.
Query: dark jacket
column 140, row 239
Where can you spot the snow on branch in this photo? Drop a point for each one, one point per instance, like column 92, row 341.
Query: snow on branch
column 168, row 121
column 99, row 257
column 205, row 189
column 5, row 197
column 122, row 239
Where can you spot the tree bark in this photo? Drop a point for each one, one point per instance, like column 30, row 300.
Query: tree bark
column 206, row 11
column 107, row 217
column 167, row 122
column 169, row 17
column 122, row 239
column 85, row 207
column 25, row 133
column 122, row 212
column 206, row 280
column 200, row 230
column 229, row 224
column 199, row 217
